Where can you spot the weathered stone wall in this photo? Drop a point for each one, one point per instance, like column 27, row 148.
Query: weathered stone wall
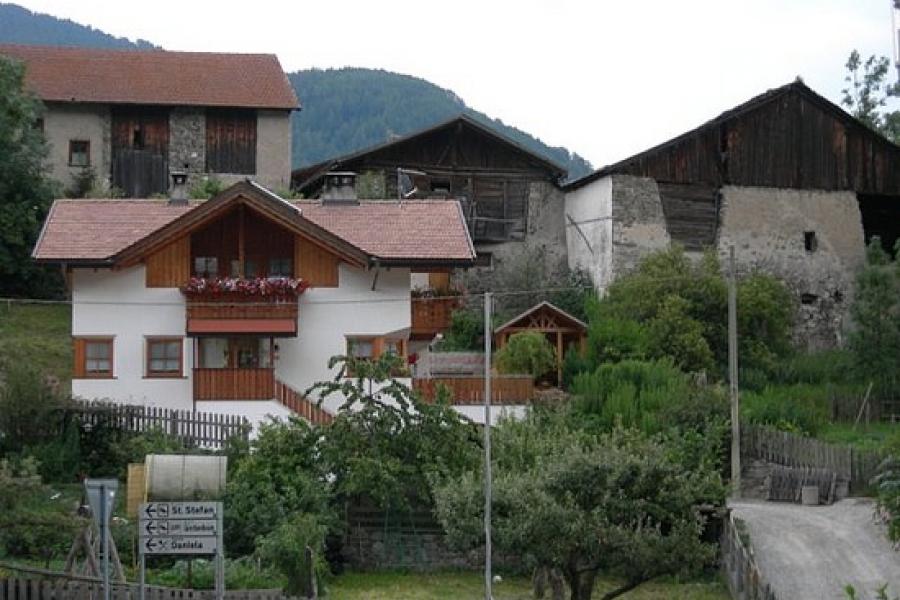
column 638, row 222
column 90, row 122
column 187, row 142
column 768, row 228
column 545, row 237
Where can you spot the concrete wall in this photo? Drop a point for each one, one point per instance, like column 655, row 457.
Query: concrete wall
column 273, row 149
column 767, row 225
column 589, row 230
column 64, row 122
column 639, row 225
column 328, row 315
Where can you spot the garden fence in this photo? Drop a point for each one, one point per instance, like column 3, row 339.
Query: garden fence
column 855, row 466
column 207, row 430
column 33, row 588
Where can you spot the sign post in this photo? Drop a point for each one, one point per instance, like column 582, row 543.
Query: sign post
column 184, row 528
column 101, row 496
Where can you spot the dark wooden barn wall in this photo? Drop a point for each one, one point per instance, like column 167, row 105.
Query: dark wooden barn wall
column 140, row 142
column 790, row 141
column 231, row 141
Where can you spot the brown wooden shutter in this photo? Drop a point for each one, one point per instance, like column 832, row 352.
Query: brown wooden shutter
column 170, row 266
column 314, row 264
column 78, row 355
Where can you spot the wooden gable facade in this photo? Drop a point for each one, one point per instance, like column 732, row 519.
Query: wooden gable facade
column 460, row 159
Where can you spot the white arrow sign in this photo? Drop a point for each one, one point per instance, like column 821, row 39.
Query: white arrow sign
column 179, row 510
column 178, row 545
column 189, row 527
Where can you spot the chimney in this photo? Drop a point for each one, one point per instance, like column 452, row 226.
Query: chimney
column 179, row 193
column 340, row 188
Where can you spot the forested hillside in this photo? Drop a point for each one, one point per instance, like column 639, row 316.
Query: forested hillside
column 21, row 26
column 349, row 109
column 344, row 110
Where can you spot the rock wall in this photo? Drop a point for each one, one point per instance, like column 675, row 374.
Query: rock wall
column 638, row 222
column 187, row 142
column 812, row 240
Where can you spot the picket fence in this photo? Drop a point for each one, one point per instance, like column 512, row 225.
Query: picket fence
column 855, row 466
column 206, row 430
column 28, row 588
column 744, row 579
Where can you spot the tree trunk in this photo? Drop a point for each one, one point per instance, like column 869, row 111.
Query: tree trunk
column 582, row 584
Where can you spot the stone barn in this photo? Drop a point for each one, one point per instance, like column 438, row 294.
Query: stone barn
column 796, row 184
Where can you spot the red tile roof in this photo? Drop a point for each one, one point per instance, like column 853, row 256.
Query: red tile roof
column 63, row 74
column 420, row 230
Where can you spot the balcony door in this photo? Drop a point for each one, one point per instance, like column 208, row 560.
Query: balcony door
column 245, row 352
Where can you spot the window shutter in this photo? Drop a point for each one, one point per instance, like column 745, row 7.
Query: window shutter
column 78, row 349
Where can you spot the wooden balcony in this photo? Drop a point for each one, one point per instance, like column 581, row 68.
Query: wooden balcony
column 233, row 313
column 234, row 384
column 505, row 389
column 431, row 316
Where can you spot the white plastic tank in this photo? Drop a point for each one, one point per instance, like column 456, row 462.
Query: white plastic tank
column 184, row 477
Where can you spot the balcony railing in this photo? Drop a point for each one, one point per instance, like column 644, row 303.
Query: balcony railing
column 229, row 305
column 234, row 384
column 432, row 315
column 505, row 389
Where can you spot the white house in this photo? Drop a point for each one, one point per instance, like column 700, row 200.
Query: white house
column 236, row 304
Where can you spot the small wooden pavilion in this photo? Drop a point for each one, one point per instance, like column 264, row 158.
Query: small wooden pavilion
column 561, row 329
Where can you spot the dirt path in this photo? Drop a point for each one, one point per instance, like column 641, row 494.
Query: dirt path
column 814, row 551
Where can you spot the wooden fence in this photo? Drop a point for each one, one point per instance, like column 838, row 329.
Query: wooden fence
column 28, row 588
column 744, row 579
column 857, row 467
column 506, row 389
column 301, row 405
column 208, row 430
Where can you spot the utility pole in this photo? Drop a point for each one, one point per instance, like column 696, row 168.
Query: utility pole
column 733, row 377
column 487, row 446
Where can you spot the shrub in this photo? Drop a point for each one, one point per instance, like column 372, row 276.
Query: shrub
column 527, row 353
column 466, row 331
column 285, row 549
column 206, row 187
column 30, row 410
column 801, row 408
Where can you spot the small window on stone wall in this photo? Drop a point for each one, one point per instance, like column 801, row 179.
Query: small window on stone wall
column 808, row 298
column 809, row 241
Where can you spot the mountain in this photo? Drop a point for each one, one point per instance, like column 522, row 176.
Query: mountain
column 21, row 26
column 349, row 109
column 344, row 110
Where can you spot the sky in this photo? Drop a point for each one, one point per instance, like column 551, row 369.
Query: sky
column 604, row 78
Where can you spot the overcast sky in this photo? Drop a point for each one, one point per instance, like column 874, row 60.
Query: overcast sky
column 603, row 78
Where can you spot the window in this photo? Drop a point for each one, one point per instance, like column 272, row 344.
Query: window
column 370, row 348
column 281, row 267
column 206, row 266
column 361, row 348
column 79, row 153
column 164, row 357
column 93, row 357
column 809, row 241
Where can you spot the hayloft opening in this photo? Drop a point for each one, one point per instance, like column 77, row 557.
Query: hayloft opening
column 809, row 241
column 881, row 217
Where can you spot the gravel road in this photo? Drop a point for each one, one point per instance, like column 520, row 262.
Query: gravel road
column 814, row 551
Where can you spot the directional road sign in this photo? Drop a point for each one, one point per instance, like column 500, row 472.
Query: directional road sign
column 180, row 527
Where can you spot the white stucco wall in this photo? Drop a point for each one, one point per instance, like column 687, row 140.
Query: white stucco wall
column 590, row 207
column 273, row 148
column 117, row 303
column 476, row 413
column 64, row 122
column 328, row 315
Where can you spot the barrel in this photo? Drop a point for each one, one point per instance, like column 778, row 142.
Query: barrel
column 184, row 477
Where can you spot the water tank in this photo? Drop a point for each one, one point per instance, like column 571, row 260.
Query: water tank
column 184, row 477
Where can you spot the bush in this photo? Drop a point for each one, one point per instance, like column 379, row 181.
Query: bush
column 285, row 549
column 466, row 331
column 630, row 392
column 240, row 574
column 31, row 412
column 206, row 187
column 527, row 353
column 800, row 408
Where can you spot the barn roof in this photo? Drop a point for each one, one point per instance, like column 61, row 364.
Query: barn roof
column 771, row 97
column 69, row 74
column 306, row 176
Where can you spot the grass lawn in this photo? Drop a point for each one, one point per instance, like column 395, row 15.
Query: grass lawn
column 864, row 437
column 38, row 335
column 469, row 586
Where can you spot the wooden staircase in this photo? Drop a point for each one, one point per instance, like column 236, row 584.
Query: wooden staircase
column 301, row 405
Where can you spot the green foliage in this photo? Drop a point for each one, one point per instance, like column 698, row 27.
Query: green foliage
column 25, row 190
column 31, row 522
column 466, row 331
column 350, row 109
column 875, row 342
column 282, row 476
column 675, row 308
column 30, row 411
column 800, row 408
column 385, row 443
column 574, row 362
column 21, row 26
column 619, row 503
column 527, row 353
column 867, row 92
column 206, row 187
column 240, row 574
column 887, row 484
column 631, row 393
column 285, row 549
